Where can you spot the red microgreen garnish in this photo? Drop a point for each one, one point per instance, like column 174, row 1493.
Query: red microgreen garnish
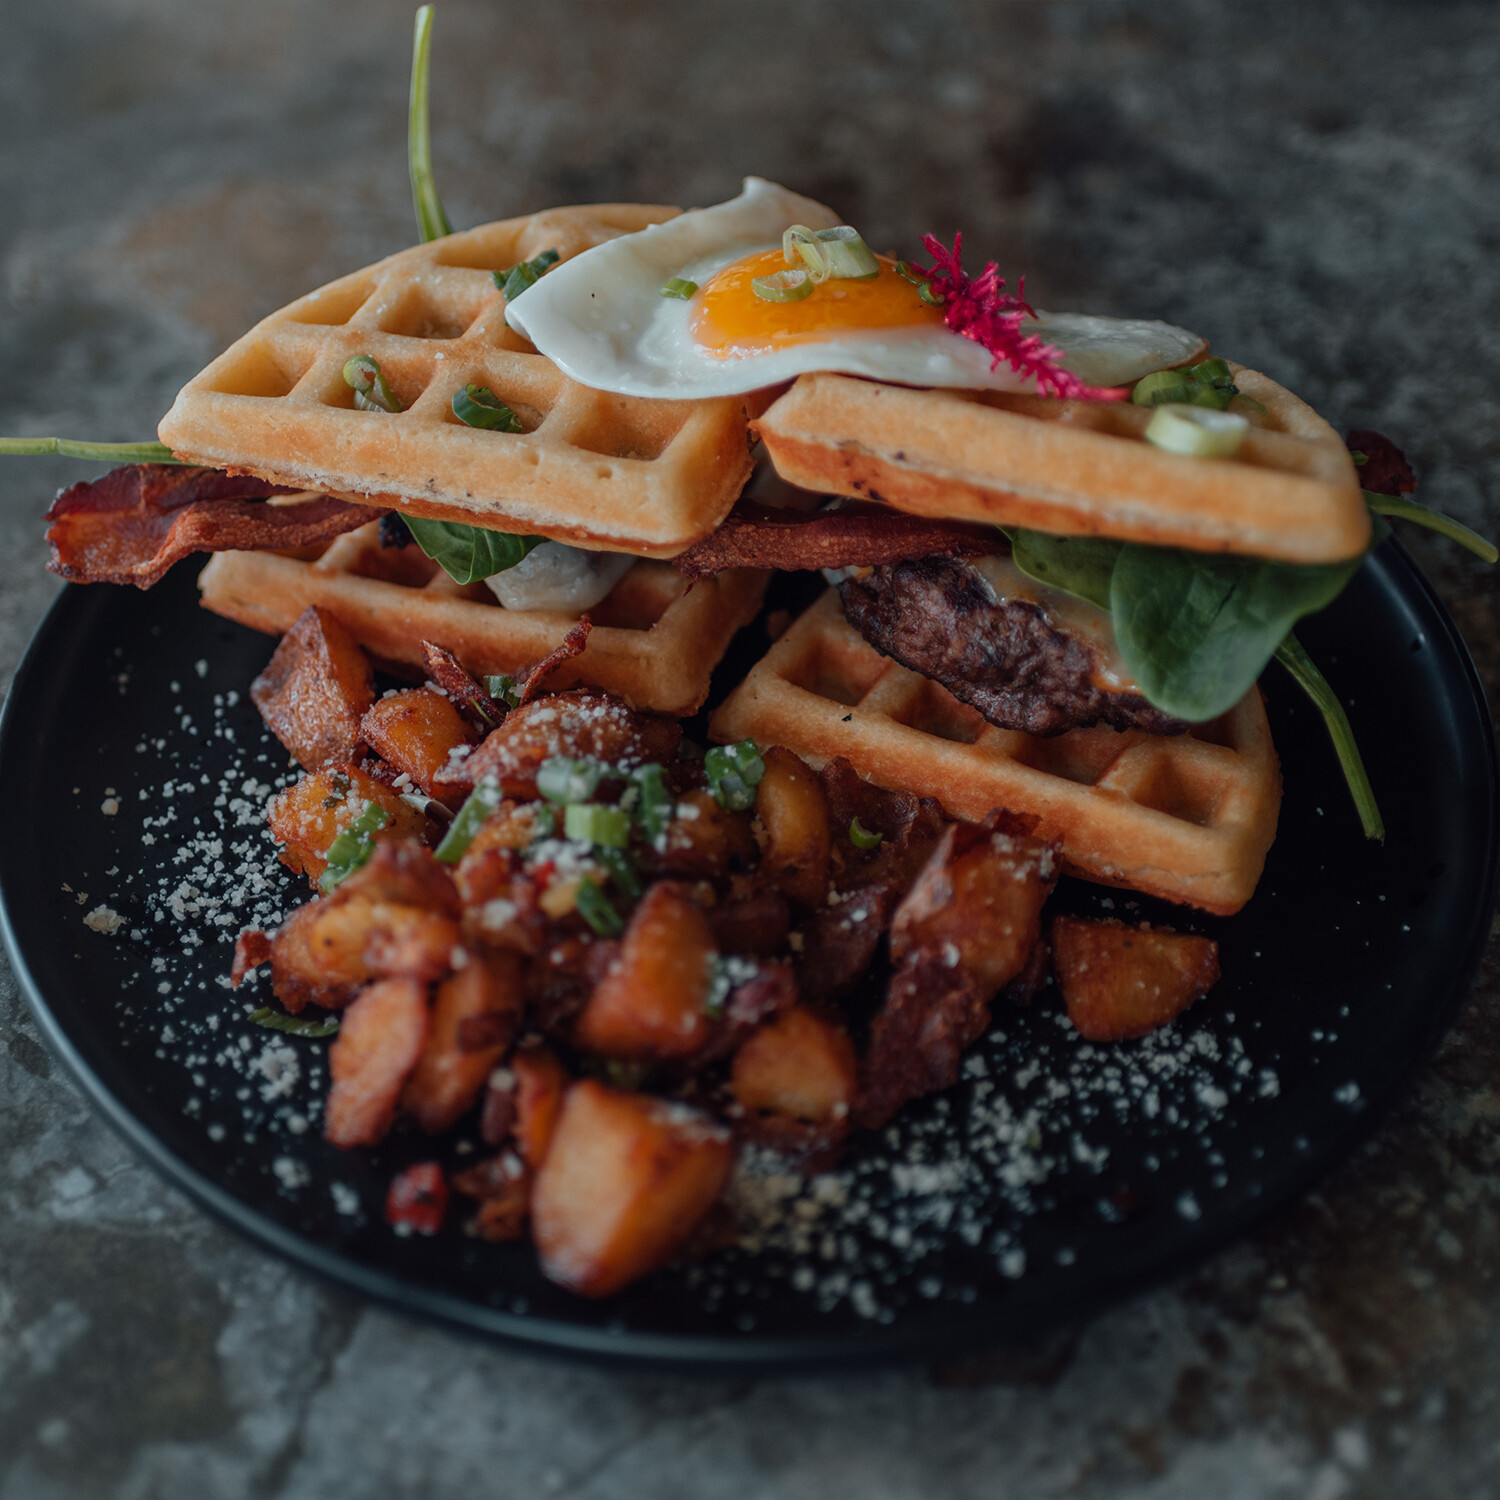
column 980, row 308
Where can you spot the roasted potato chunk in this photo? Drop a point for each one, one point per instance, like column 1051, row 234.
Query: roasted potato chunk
column 627, row 1179
column 378, row 1044
column 798, row 1065
column 1120, row 982
column 306, row 818
column 652, row 1002
column 416, row 731
column 580, row 723
column 705, row 841
column 794, row 813
column 315, row 690
column 541, row 1083
column 977, row 901
column 476, row 1013
column 932, row 1011
column 398, row 915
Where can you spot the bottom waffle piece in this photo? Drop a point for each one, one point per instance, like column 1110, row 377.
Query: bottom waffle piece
column 1186, row 817
column 656, row 638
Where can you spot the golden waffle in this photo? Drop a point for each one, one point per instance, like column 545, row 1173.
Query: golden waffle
column 1075, row 468
column 1188, row 817
column 655, row 640
column 610, row 472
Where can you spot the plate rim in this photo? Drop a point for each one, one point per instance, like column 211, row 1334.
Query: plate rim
column 750, row 1352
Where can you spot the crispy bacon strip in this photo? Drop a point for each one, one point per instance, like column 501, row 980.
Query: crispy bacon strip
column 762, row 536
column 464, row 693
column 530, row 679
column 135, row 522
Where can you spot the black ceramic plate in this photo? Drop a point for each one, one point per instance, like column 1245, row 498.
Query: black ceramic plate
column 1055, row 1178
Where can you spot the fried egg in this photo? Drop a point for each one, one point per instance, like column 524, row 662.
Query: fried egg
column 602, row 318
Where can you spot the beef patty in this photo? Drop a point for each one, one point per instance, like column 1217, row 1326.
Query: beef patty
column 1006, row 657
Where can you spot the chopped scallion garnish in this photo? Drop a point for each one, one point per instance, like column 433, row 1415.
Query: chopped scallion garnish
column 679, row 286
column 621, row 869
column 654, row 809
column 372, row 391
column 353, row 846
column 278, row 1020
column 847, row 255
column 734, row 772
column 502, row 689
column 432, row 222
column 479, row 406
column 516, row 280
column 481, row 802
column 862, row 838
column 114, row 453
column 561, row 779
column 595, row 909
column 597, row 823
column 1197, row 431
column 783, row 286
column 908, row 272
column 1210, row 384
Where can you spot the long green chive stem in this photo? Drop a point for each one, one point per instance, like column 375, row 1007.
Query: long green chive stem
column 1410, row 510
column 1305, row 673
column 125, row 453
column 432, row 222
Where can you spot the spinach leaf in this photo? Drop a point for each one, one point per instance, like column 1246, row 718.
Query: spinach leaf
column 1196, row 629
column 469, row 553
column 1079, row 565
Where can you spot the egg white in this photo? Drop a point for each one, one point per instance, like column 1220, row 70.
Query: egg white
column 601, row 318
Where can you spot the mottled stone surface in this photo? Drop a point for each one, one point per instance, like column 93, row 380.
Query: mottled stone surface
column 1316, row 187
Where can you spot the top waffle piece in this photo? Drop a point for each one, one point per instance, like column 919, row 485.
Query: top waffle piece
column 1187, row 817
column 1075, row 468
column 609, row 472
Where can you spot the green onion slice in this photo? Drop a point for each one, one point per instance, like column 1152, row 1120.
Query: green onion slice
column 1196, row 431
column 734, row 771
column 372, row 391
column 432, row 222
column 353, row 846
column 479, row 406
column 595, row 909
column 278, row 1020
column 862, row 838
column 783, row 286
column 561, row 779
column 847, row 256
column 502, row 689
column 1412, row 510
column 481, row 802
column 679, row 286
column 114, row 453
column 1293, row 656
column 654, row 809
column 908, row 272
column 621, row 869
column 802, row 251
column 597, row 823
column 519, row 278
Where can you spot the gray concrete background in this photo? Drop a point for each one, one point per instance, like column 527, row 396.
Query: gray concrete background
column 1316, row 187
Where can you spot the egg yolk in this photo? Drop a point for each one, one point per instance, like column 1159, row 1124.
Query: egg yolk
column 728, row 318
